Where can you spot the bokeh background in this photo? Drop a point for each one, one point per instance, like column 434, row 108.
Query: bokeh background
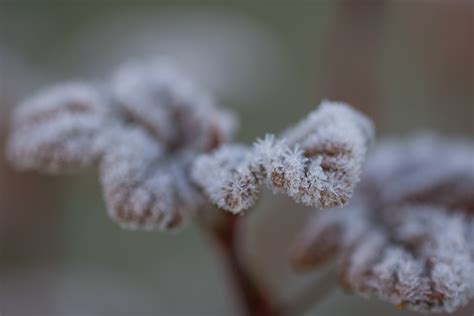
column 408, row 64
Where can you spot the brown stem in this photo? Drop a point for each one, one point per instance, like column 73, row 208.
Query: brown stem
column 253, row 301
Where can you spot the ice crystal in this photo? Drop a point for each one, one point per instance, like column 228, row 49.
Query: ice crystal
column 317, row 162
column 143, row 128
column 407, row 236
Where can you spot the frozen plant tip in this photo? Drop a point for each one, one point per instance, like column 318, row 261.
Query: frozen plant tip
column 407, row 236
column 143, row 128
column 317, row 162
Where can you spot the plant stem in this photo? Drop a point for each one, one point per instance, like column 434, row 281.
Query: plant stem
column 252, row 300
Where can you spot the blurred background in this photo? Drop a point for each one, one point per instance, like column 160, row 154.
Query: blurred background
column 407, row 64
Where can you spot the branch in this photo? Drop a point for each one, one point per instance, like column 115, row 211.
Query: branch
column 252, row 300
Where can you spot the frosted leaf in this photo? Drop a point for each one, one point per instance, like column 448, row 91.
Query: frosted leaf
column 317, row 162
column 407, row 236
column 144, row 187
column 143, row 128
column 426, row 167
column 226, row 176
column 55, row 130
column 175, row 111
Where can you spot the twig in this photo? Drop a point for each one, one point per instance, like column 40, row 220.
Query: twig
column 253, row 301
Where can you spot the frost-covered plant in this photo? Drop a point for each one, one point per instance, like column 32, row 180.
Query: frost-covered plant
column 317, row 162
column 156, row 139
column 143, row 128
column 407, row 237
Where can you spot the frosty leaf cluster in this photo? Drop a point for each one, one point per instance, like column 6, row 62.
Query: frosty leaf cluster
column 407, row 236
column 143, row 128
column 317, row 162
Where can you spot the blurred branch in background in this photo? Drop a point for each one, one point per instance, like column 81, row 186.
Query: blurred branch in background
column 353, row 51
column 447, row 50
